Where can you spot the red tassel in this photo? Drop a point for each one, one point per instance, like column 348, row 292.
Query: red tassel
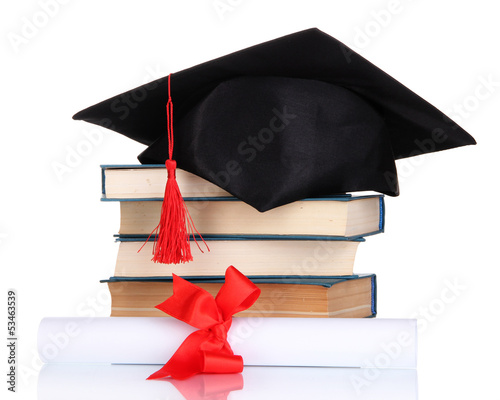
column 176, row 226
column 172, row 238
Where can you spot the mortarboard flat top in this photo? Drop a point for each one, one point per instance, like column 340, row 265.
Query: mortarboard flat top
column 295, row 117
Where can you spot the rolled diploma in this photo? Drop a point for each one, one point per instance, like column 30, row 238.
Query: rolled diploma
column 329, row 342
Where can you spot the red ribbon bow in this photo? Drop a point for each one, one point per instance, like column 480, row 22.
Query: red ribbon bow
column 207, row 350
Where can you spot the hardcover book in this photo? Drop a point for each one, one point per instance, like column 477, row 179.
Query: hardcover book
column 338, row 297
column 147, row 181
column 256, row 255
column 348, row 217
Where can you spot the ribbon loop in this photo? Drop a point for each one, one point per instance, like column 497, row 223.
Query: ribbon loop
column 237, row 294
column 207, row 350
column 191, row 304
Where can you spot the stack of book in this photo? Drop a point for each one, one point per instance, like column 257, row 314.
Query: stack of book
column 301, row 255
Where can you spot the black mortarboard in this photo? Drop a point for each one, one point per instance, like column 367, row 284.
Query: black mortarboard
column 295, row 117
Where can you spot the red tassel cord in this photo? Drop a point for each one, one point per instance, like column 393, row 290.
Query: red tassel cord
column 176, row 226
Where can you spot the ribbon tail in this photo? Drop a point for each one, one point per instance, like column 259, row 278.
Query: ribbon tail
column 218, row 363
column 163, row 372
column 186, row 361
column 189, row 360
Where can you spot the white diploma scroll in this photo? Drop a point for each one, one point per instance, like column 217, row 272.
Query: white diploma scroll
column 307, row 342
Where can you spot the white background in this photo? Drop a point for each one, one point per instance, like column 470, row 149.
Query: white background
column 56, row 236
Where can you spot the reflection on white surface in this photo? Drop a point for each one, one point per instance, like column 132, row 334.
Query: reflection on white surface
column 100, row 381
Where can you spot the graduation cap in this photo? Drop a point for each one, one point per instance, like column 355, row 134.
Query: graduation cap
column 296, row 117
